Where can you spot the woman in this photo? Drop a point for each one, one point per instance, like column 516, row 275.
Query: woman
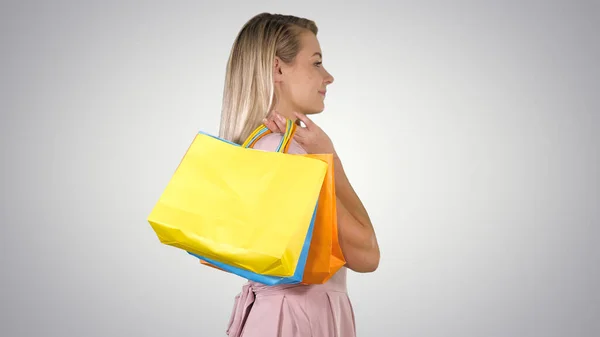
column 274, row 73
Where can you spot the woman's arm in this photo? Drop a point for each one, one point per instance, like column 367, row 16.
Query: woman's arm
column 355, row 230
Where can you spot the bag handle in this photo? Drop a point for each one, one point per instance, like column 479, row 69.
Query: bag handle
column 262, row 131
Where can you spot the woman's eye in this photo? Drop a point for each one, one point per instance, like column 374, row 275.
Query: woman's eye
column 318, row 64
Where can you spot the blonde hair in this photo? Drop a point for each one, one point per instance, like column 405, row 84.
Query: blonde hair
column 248, row 94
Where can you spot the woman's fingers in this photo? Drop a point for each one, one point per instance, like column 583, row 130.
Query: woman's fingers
column 280, row 121
column 275, row 122
column 307, row 121
column 300, row 132
column 271, row 125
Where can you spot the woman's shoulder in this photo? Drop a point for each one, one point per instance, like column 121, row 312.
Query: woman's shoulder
column 271, row 141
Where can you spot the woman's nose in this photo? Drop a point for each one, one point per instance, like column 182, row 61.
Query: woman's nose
column 329, row 79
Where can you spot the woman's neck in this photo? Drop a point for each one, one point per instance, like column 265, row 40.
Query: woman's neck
column 284, row 109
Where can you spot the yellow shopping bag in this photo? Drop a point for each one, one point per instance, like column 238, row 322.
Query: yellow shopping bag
column 244, row 207
column 324, row 256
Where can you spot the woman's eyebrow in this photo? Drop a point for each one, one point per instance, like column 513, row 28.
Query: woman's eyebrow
column 318, row 53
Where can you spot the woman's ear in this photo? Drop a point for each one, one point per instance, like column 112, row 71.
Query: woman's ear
column 277, row 71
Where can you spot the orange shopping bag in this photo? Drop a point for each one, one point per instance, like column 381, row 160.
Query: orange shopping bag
column 325, row 255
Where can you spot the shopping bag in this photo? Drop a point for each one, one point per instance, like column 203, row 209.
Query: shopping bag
column 219, row 205
column 268, row 279
column 300, row 268
column 325, row 256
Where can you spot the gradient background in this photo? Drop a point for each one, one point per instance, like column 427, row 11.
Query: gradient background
column 471, row 136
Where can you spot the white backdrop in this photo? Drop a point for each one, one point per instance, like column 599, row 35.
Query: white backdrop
column 471, row 134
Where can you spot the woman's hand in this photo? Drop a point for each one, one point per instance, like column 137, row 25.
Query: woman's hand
column 275, row 122
column 311, row 137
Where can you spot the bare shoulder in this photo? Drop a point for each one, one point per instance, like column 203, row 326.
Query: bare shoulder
column 271, row 141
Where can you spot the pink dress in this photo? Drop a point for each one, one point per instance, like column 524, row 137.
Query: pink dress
column 316, row 310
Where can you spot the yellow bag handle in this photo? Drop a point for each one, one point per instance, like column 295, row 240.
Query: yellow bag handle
column 262, row 131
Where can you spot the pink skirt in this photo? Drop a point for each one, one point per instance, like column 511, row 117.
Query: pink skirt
column 322, row 310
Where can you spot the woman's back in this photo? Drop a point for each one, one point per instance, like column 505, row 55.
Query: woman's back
column 293, row 310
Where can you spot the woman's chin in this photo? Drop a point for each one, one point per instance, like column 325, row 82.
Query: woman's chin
column 316, row 110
